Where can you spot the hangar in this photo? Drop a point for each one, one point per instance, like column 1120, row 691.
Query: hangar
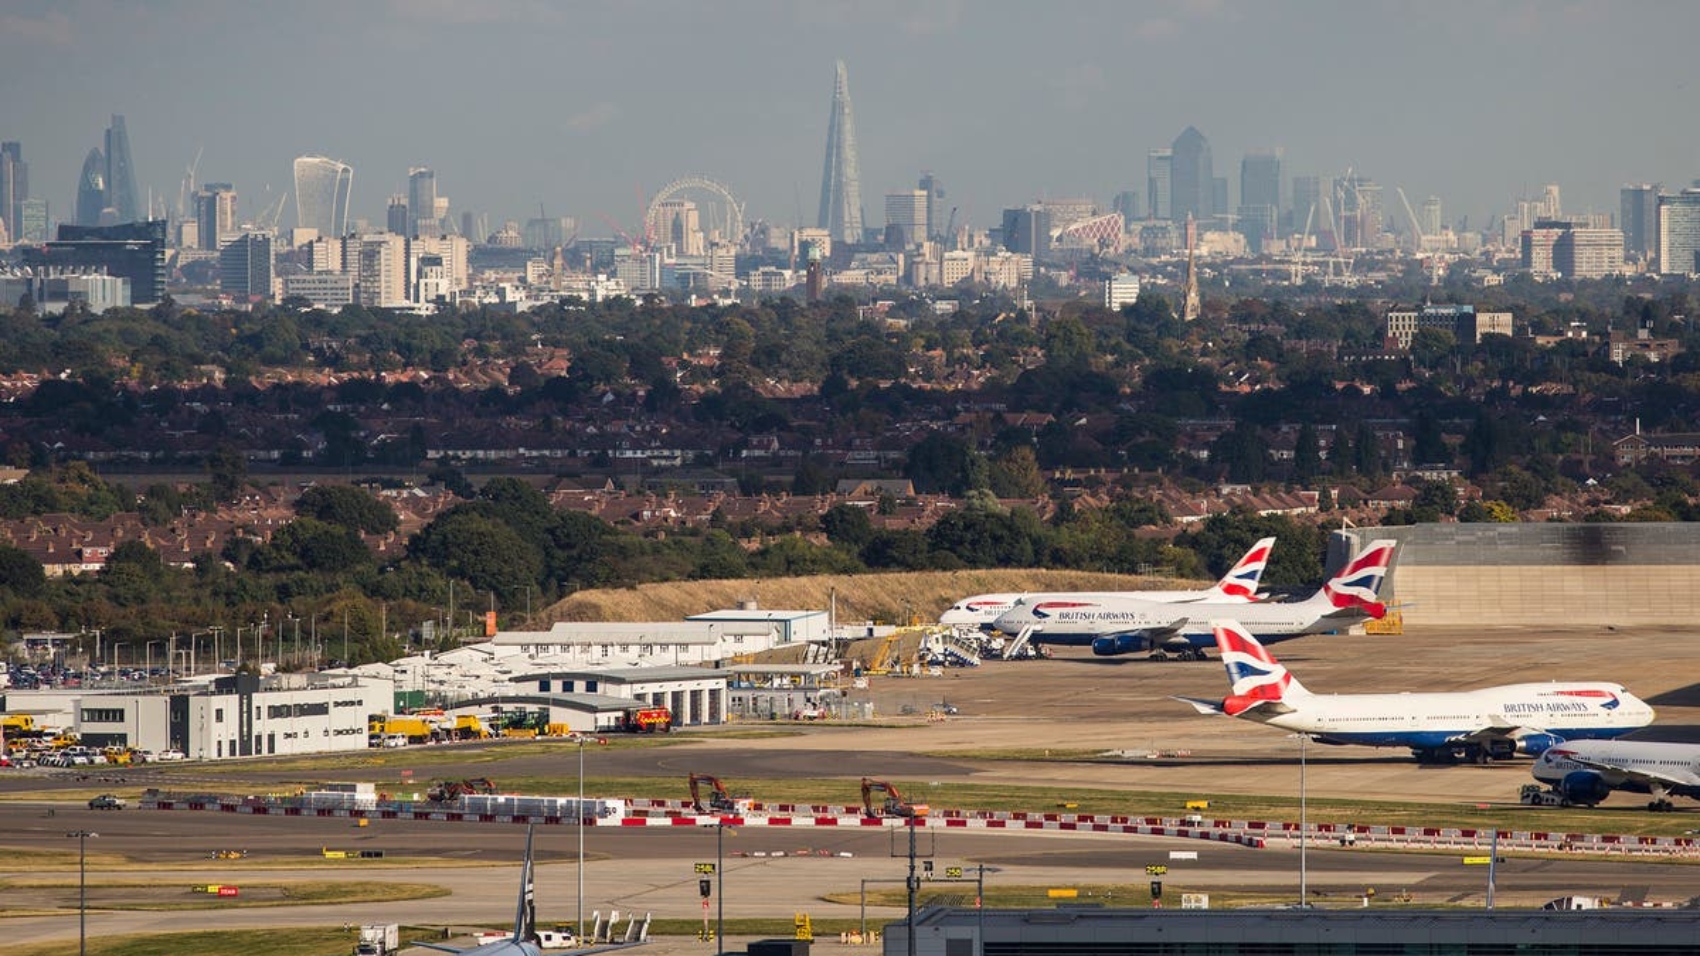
column 1549, row 574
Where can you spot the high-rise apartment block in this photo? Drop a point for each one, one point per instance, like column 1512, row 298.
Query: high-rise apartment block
column 1679, row 232
column 841, row 175
column 1121, row 290
column 246, row 265
column 1587, row 252
column 322, row 190
column 1639, row 220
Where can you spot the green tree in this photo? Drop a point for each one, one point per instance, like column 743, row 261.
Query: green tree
column 227, row 468
column 348, row 507
column 20, row 574
column 943, row 463
column 1015, row 474
column 848, row 526
column 1307, row 453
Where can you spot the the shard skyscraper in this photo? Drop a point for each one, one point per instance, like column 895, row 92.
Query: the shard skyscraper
column 120, row 174
column 841, row 179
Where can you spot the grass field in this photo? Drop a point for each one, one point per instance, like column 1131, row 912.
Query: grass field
column 894, row 598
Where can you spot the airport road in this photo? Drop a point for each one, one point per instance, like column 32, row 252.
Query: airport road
column 1073, row 702
column 651, row 871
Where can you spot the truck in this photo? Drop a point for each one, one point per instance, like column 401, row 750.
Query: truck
column 449, row 791
column 416, row 730
column 377, row 939
column 647, row 720
column 1535, row 795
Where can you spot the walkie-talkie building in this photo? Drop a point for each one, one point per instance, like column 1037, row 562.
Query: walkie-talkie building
column 322, row 188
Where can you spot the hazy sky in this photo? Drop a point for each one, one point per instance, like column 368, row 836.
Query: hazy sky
column 583, row 106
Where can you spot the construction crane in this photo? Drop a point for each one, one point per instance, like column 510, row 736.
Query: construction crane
column 949, row 228
column 892, row 805
column 1417, row 236
column 186, row 188
column 719, row 801
column 267, row 220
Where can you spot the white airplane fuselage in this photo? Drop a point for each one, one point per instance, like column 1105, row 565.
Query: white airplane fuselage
column 1566, row 710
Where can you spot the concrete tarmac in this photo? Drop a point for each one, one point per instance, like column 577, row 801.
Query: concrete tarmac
column 1072, row 702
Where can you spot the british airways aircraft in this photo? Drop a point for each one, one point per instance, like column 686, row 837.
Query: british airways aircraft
column 1493, row 723
column 1238, row 585
column 1587, row 771
column 1127, row 624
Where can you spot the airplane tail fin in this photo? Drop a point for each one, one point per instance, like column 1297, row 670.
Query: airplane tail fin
column 1242, row 579
column 1356, row 585
column 525, row 919
column 1258, row 682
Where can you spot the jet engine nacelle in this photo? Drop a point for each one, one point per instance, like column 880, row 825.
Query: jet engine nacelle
column 1584, row 787
column 1536, row 744
column 1118, row 644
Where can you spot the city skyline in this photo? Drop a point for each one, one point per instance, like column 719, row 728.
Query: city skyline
column 1041, row 103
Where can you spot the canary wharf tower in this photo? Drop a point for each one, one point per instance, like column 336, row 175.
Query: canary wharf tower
column 841, row 179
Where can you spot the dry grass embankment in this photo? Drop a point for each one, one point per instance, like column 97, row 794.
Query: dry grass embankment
column 894, row 597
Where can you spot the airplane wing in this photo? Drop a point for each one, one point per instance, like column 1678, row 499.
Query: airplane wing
column 1203, row 706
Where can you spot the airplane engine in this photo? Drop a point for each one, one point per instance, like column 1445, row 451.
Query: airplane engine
column 1119, row 644
column 1500, row 749
column 1536, row 744
column 1584, row 787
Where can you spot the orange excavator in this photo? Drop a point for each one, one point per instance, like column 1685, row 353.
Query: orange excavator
column 892, row 806
column 719, row 801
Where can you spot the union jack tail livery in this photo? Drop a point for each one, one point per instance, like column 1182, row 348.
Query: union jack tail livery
column 1240, row 583
column 1258, row 680
column 1357, row 583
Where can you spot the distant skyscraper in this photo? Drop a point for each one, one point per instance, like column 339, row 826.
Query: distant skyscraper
column 1193, row 179
column 14, row 185
column 1260, row 197
column 422, row 202
column 1679, row 233
column 1640, row 221
column 1159, row 182
column 1127, row 203
column 1307, row 204
column 32, row 221
column 936, row 220
column 905, row 217
column 322, row 189
column 1028, row 230
column 841, row 177
column 91, row 189
column 395, row 219
column 215, row 215
column 1432, row 220
column 121, row 175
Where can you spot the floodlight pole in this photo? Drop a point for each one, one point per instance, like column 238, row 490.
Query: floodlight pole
column 82, row 889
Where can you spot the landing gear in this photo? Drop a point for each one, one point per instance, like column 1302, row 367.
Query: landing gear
column 1660, row 806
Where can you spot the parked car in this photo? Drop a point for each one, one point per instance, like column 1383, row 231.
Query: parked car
column 168, row 755
column 106, row 801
